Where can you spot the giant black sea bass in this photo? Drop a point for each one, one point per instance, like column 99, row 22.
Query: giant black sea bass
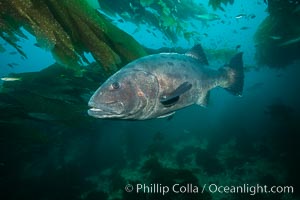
column 157, row 85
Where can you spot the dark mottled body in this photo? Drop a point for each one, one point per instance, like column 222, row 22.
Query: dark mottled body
column 157, row 85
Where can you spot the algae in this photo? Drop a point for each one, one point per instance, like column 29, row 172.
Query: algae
column 277, row 38
column 217, row 4
column 169, row 17
column 68, row 28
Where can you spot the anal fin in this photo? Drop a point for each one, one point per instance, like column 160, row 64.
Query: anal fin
column 204, row 99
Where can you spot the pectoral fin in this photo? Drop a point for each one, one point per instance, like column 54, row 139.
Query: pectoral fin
column 173, row 97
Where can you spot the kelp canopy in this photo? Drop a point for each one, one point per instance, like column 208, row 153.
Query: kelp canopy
column 71, row 28
column 217, row 4
column 170, row 17
column 68, row 28
column 278, row 37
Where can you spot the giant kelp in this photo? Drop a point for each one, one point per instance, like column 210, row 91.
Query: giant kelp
column 170, row 17
column 217, row 4
column 278, row 36
column 53, row 94
column 68, row 28
column 40, row 112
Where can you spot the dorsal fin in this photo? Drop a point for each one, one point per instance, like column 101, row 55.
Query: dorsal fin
column 198, row 53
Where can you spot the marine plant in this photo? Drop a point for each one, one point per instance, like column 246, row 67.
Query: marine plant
column 217, row 4
column 69, row 29
column 169, row 17
column 278, row 36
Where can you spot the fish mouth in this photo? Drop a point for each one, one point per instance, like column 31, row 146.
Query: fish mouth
column 106, row 111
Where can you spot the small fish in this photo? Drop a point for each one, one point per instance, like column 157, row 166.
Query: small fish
column 157, row 85
column 275, row 37
column 237, row 47
column 37, row 45
column 291, row 41
column 10, row 79
column 208, row 17
column 15, row 64
column 137, row 29
column 244, row 28
column 252, row 16
column 10, row 65
column 221, row 8
column 121, row 20
column 239, row 16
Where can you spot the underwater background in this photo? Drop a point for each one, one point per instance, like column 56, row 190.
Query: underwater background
column 55, row 54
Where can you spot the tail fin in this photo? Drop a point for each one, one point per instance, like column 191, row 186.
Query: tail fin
column 235, row 75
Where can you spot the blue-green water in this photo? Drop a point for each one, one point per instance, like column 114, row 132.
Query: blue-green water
column 51, row 149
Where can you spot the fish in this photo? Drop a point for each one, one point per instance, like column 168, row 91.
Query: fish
column 37, row 45
column 237, row 47
column 252, row 16
column 275, row 37
column 239, row 16
column 121, row 20
column 208, row 17
column 289, row 42
column 157, row 85
column 10, row 79
column 244, row 28
column 10, row 65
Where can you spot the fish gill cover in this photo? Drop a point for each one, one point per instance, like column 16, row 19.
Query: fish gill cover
column 51, row 149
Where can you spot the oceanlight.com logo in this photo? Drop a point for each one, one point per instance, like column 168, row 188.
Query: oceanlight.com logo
column 211, row 188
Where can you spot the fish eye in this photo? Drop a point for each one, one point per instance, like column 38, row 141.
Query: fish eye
column 115, row 85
